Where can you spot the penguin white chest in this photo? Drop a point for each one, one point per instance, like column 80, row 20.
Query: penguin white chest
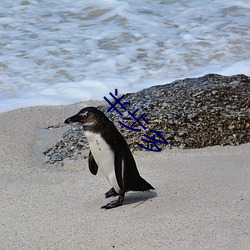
column 104, row 157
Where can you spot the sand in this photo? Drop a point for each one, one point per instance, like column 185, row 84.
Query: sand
column 201, row 198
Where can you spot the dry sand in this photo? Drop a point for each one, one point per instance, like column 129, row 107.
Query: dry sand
column 201, row 201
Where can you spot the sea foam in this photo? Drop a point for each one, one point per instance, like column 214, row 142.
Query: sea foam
column 63, row 52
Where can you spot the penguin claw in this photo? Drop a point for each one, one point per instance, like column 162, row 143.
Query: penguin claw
column 111, row 193
column 113, row 204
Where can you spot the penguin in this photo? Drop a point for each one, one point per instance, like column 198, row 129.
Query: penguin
column 110, row 152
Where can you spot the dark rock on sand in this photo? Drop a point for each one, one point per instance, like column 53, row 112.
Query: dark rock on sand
column 191, row 113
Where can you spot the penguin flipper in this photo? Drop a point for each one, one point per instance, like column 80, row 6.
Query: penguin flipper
column 118, row 166
column 93, row 167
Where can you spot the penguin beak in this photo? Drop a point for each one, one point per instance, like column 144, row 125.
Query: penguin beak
column 74, row 118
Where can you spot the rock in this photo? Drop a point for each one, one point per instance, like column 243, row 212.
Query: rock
column 191, row 113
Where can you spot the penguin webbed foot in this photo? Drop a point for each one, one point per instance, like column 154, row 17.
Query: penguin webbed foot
column 115, row 203
column 111, row 193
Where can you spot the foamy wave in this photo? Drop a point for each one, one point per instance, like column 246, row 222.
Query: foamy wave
column 63, row 52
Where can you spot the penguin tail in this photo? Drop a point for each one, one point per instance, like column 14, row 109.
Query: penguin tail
column 141, row 185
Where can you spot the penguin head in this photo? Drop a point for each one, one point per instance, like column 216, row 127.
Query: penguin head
column 88, row 117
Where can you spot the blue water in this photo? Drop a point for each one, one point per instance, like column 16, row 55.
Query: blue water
column 61, row 52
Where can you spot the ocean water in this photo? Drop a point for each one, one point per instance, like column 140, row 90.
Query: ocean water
column 61, row 52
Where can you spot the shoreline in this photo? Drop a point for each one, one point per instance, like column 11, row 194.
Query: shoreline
column 201, row 197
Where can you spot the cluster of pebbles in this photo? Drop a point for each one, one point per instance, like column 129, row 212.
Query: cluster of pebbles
column 190, row 113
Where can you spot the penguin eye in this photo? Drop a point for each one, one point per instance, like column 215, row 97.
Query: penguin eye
column 84, row 115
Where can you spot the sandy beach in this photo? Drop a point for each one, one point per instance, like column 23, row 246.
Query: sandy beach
column 201, row 198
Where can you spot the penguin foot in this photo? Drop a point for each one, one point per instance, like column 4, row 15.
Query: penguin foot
column 111, row 193
column 113, row 204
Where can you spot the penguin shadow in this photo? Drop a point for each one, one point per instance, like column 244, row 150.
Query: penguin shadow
column 137, row 198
